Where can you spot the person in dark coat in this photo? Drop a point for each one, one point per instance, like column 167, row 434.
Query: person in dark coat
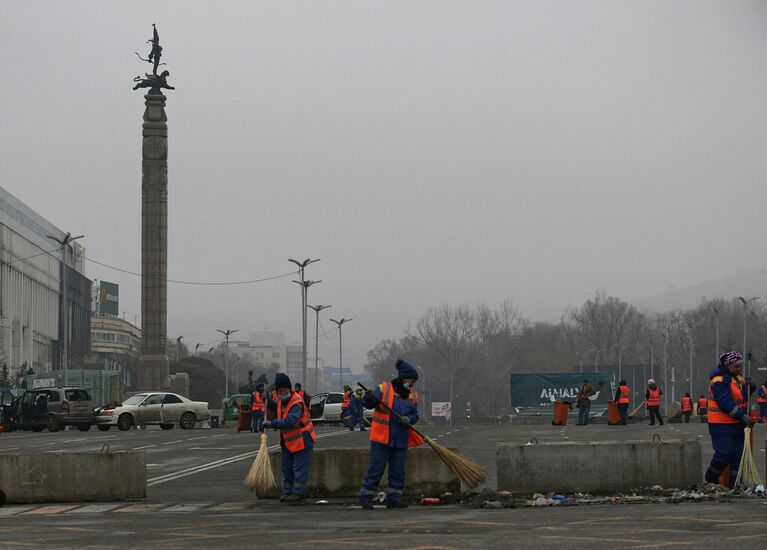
column 357, row 411
column 390, row 436
column 727, row 416
column 652, row 399
column 585, row 391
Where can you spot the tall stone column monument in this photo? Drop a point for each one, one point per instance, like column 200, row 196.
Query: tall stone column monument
column 152, row 371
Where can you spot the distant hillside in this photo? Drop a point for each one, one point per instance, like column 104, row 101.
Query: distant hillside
column 751, row 284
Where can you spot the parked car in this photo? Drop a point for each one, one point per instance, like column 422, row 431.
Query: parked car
column 51, row 408
column 326, row 407
column 159, row 408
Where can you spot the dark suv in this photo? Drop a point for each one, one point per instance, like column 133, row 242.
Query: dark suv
column 53, row 408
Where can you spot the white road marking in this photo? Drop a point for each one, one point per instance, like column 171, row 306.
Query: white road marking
column 210, row 448
column 13, row 510
column 144, row 447
column 14, row 448
column 172, row 442
column 218, row 463
column 94, row 509
column 43, row 445
column 187, row 507
column 74, row 440
column 219, row 435
column 106, row 437
column 193, row 438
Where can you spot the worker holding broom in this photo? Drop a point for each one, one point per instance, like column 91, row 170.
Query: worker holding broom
column 297, row 439
column 390, row 437
column 727, row 416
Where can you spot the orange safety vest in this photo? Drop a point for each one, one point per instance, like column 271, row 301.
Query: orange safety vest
column 686, row 404
column 763, row 399
column 293, row 438
column 654, row 399
column 302, row 393
column 702, row 404
column 624, row 396
column 379, row 427
column 715, row 414
column 258, row 402
column 347, row 400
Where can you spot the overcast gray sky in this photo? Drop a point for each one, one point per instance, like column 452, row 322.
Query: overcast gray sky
column 427, row 151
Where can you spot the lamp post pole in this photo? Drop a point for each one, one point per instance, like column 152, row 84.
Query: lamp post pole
column 317, row 310
column 64, row 314
column 196, row 350
column 227, row 333
column 341, row 349
column 301, row 268
column 691, row 327
column 716, row 330
column 665, row 369
column 178, row 346
column 745, row 302
column 596, row 357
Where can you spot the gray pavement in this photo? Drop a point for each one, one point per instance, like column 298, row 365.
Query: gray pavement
column 196, row 498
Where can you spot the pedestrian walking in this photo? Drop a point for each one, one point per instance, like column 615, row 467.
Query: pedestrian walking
column 727, row 416
column 762, row 400
column 702, row 408
column 390, row 437
column 297, row 439
column 347, row 401
column 652, row 399
column 687, row 407
column 622, row 400
column 357, row 410
column 257, row 408
column 585, row 391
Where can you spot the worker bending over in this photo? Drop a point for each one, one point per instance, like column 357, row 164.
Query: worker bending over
column 390, row 437
column 296, row 439
column 727, row 416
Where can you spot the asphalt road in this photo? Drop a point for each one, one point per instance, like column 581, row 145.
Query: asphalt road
column 196, row 498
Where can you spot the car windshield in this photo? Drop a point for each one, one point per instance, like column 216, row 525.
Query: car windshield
column 135, row 399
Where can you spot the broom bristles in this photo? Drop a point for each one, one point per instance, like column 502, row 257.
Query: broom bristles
column 468, row 473
column 260, row 478
column 748, row 473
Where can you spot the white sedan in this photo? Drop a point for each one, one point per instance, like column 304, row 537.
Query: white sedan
column 326, row 407
column 161, row 408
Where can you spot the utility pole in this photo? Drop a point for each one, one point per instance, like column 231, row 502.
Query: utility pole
column 652, row 358
column 341, row 349
column 178, row 346
column 716, row 329
column 596, row 357
column 664, row 335
column 304, row 287
column 317, row 310
column 196, row 348
column 226, row 333
column 64, row 313
column 691, row 327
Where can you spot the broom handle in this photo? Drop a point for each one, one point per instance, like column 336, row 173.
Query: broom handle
column 392, row 411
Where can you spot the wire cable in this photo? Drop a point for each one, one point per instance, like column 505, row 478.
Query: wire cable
column 36, row 255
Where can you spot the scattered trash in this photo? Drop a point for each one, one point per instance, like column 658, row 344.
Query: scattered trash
column 494, row 504
column 759, row 489
column 427, row 500
column 322, row 502
column 558, row 497
column 504, row 493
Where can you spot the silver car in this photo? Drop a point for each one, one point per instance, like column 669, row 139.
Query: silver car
column 161, row 408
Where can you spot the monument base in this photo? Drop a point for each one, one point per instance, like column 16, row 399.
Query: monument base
column 152, row 373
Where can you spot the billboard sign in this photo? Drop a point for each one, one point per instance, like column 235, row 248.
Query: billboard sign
column 109, row 299
column 543, row 389
column 441, row 408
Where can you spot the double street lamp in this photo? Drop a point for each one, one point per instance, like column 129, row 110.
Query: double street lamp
column 304, row 287
column 64, row 307
column 341, row 349
column 745, row 302
column 317, row 310
column 227, row 333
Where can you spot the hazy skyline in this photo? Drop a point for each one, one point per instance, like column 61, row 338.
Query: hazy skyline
column 427, row 152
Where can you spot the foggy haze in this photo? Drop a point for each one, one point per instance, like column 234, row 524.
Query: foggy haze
column 428, row 152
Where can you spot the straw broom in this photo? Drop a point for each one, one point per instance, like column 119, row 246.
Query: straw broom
column 260, row 477
column 748, row 473
column 469, row 473
column 633, row 413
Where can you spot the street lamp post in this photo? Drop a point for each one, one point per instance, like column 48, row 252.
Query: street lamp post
column 64, row 313
column 423, row 383
column 341, row 349
column 227, row 333
column 620, row 363
column 745, row 302
column 178, row 346
column 304, row 300
column 317, row 310
column 664, row 335
column 196, row 350
column 691, row 327
column 301, row 268
column 716, row 329
column 596, row 357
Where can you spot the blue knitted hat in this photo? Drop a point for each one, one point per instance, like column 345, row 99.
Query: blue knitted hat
column 406, row 370
column 282, row 380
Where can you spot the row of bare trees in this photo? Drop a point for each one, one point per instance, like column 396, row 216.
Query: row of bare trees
column 466, row 353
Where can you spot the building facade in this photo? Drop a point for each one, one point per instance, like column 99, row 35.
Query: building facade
column 115, row 346
column 31, row 274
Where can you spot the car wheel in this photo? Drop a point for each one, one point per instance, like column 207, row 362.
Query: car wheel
column 187, row 421
column 84, row 427
column 166, row 426
column 125, row 422
column 104, row 427
column 52, row 423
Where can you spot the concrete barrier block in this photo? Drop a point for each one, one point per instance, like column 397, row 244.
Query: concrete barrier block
column 597, row 467
column 71, row 477
column 339, row 473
